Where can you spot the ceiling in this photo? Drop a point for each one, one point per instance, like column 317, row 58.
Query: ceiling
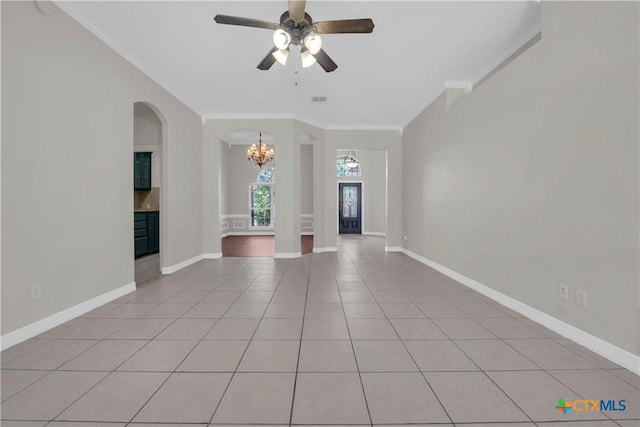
column 383, row 80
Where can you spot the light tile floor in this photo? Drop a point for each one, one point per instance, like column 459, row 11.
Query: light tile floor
column 358, row 337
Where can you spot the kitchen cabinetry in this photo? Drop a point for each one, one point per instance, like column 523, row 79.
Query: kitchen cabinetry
column 146, row 226
column 142, row 171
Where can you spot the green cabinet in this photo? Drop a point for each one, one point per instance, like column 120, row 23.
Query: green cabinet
column 153, row 227
column 142, row 171
column 146, row 233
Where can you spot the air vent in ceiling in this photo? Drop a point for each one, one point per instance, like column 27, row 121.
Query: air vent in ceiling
column 318, row 99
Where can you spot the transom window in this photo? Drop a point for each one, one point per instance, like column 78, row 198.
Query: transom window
column 266, row 175
column 343, row 170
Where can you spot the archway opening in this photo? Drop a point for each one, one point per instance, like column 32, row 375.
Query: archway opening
column 148, row 140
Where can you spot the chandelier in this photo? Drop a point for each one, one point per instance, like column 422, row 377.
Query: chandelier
column 260, row 155
column 350, row 160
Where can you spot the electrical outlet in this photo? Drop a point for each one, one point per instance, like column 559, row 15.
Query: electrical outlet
column 563, row 291
column 36, row 291
column 581, row 297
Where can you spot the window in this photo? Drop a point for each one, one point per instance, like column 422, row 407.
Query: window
column 343, row 170
column 266, row 175
column 261, row 203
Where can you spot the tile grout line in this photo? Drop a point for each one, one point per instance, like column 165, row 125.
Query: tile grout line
column 115, row 370
column 295, row 380
column 409, row 353
column 353, row 350
column 233, row 374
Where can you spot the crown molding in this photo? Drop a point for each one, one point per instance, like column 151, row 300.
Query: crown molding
column 66, row 6
column 286, row 116
column 517, row 45
column 459, row 84
column 367, row 127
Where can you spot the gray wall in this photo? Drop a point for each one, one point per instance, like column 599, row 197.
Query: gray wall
column 238, row 175
column 306, row 179
column 67, row 143
column 532, row 179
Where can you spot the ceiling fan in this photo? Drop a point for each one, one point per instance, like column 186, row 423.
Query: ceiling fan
column 297, row 28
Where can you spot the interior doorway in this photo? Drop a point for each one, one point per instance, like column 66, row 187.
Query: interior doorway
column 350, row 208
column 147, row 172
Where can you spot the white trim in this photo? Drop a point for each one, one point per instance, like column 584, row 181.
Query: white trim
column 374, row 233
column 605, row 349
column 455, row 84
column 224, row 225
column 243, row 225
column 327, row 249
column 306, row 216
column 517, row 45
column 250, row 116
column 393, row 249
column 36, row 328
column 69, row 10
column 216, row 255
column 262, row 116
column 234, row 216
column 306, row 233
column 287, row 255
column 366, row 127
column 179, row 266
column 250, row 233
column 306, row 226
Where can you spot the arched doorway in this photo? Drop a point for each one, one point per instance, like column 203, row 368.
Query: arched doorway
column 149, row 139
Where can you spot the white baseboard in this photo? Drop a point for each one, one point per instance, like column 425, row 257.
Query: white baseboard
column 327, row 249
column 605, row 349
column 249, row 233
column 216, row 255
column 373, row 233
column 306, row 233
column 36, row 328
column 393, row 249
column 287, row 255
column 179, row 266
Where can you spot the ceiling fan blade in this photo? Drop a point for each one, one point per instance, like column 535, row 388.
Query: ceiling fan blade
column 245, row 22
column 268, row 60
column 344, row 26
column 325, row 61
column 296, row 9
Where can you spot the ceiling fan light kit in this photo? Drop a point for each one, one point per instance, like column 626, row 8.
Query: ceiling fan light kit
column 298, row 28
column 281, row 55
column 281, row 39
column 313, row 42
column 307, row 58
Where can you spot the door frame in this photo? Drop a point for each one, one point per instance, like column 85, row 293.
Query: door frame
column 362, row 205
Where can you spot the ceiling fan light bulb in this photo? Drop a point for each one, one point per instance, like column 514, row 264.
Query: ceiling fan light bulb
column 307, row 59
column 313, row 42
column 281, row 56
column 281, row 39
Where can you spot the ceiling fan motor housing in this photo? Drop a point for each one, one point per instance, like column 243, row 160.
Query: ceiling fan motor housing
column 298, row 30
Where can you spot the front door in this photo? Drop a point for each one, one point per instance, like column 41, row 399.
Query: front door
column 350, row 208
